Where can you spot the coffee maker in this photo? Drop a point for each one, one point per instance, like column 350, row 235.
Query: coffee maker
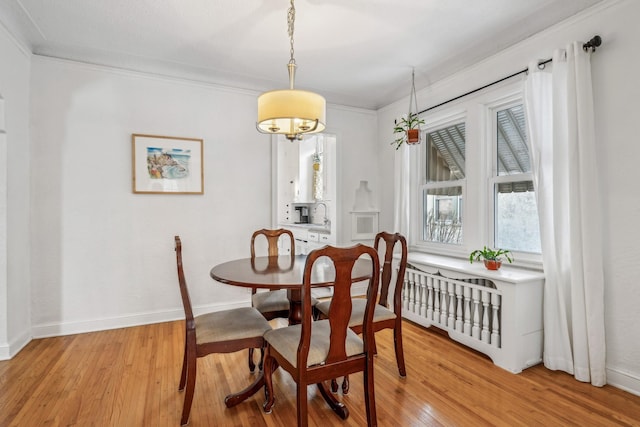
column 301, row 215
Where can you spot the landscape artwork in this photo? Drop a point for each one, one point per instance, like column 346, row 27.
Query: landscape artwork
column 165, row 164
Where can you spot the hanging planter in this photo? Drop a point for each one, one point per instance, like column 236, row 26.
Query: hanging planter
column 408, row 127
column 413, row 136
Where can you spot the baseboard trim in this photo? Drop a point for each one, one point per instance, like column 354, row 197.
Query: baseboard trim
column 12, row 348
column 623, row 381
column 93, row 325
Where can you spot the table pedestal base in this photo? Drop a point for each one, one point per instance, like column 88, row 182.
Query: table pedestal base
column 338, row 407
column 239, row 397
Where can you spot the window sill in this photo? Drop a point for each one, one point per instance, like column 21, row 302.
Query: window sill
column 461, row 268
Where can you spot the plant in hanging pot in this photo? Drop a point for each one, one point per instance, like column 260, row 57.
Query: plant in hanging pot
column 492, row 257
column 408, row 129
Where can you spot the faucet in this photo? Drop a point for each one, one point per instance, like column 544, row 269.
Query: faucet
column 325, row 220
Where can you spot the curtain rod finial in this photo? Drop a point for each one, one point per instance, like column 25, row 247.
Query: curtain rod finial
column 593, row 43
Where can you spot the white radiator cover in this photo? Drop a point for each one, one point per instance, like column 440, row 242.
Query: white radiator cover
column 498, row 313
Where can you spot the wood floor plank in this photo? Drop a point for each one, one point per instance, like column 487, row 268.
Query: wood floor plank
column 129, row 377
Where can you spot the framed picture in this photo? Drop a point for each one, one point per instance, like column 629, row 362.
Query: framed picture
column 167, row 165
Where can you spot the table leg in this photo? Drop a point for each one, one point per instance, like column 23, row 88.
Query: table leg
column 239, row 397
column 338, row 407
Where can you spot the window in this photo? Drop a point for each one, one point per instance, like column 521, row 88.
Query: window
column 474, row 170
column 515, row 212
column 444, row 183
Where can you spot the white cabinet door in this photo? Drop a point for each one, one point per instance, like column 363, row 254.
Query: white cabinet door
column 287, row 179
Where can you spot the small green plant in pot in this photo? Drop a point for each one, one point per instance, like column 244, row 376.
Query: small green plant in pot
column 492, row 257
column 409, row 130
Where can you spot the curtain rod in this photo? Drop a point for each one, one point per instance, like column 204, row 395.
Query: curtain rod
column 591, row 44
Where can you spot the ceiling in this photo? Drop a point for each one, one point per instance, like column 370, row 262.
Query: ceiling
column 357, row 53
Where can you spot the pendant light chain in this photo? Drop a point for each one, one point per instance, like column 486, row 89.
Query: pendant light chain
column 291, row 18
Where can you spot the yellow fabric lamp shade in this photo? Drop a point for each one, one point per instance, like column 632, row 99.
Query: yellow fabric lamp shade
column 291, row 112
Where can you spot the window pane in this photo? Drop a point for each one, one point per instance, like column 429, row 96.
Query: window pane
column 517, row 218
column 446, row 154
column 513, row 154
column 443, row 215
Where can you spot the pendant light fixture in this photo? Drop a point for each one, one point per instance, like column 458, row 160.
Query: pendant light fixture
column 291, row 112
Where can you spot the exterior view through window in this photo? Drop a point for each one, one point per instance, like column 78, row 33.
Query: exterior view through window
column 442, row 194
column 516, row 215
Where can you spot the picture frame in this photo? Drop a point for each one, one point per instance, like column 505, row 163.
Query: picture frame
column 167, row 164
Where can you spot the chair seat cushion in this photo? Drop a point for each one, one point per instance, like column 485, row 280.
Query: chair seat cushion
column 266, row 302
column 227, row 325
column 285, row 341
column 357, row 311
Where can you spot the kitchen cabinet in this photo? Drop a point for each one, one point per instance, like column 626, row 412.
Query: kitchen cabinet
column 308, row 238
column 306, row 175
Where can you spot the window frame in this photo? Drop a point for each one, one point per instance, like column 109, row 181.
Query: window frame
column 479, row 112
column 420, row 184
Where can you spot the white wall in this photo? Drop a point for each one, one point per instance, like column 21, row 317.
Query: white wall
column 103, row 256
column 357, row 160
column 615, row 67
column 15, row 326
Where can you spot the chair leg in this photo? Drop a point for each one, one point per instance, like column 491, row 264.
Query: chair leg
column 261, row 364
column 269, row 398
column 191, row 385
column 252, row 365
column 345, row 385
column 397, row 341
column 369, row 394
column 183, row 374
column 301, row 400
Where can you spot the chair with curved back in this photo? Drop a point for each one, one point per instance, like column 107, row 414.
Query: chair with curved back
column 383, row 317
column 317, row 351
column 225, row 331
column 272, row 304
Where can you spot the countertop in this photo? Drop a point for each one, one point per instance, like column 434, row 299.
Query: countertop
column 318, row 228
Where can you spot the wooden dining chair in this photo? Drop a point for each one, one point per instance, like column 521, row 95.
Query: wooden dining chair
column 225, row 331
column 383, row 317
column 317, row 351
column 274, row 303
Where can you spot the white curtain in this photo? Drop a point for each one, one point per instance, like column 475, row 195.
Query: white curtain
column 559, row 103
column 402, row 183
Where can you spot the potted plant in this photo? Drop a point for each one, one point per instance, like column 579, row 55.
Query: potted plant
column 408, row 128
column 492, row 257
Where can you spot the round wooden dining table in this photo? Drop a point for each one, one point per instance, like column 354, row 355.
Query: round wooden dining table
column 283, row 272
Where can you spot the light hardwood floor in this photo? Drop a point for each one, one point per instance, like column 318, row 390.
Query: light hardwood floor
column 129, row 377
